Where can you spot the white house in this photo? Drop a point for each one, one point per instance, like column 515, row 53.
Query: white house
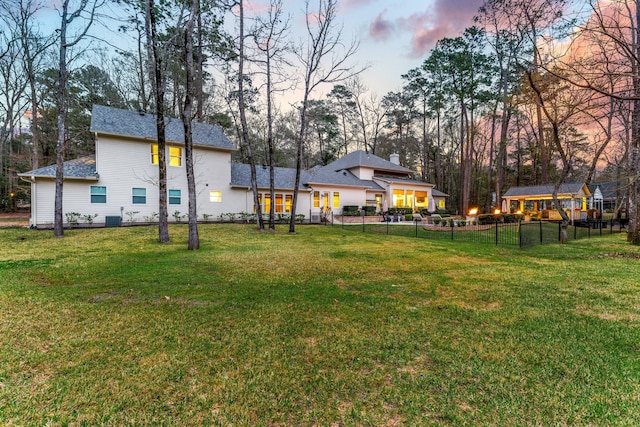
column 121, row 179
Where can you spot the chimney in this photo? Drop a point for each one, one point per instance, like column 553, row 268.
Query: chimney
column 395, row 159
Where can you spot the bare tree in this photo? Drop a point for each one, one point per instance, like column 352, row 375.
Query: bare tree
column 156, row 57
column 610, row 66
column 244, row 131
column 187, row 117
column 324, row 59
column 85, row 9
column 268, row 38
column 21, row 16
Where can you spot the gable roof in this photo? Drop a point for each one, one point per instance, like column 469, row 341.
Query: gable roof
column 361, row 158
column 80, row 168
column 610, row 190
column 134, row 124
column 327, row 175
column 546, row 190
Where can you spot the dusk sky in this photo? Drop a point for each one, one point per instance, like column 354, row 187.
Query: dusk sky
column 396, row 35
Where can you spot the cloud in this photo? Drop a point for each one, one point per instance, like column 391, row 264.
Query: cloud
column 445, row 18
column 380, row 29
column 352, row 4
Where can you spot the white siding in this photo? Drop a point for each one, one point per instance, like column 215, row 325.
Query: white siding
column 123, row 165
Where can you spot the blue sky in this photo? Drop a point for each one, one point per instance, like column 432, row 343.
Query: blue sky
column 395, row 35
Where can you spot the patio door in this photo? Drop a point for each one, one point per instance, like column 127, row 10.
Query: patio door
column 325, row 201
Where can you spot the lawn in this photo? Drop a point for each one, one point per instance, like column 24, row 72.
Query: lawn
column 324, row 327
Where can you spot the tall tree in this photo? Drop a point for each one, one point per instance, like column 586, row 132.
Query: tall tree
column 187, row 118
column 157, row 62
column 612, row 37
column 322, row 63
column 68, row 15
column 269, row 40
column 244, row 130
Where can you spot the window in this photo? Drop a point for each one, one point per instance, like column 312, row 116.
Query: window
column 175, row 197
column 175, row 156
column 154, row 154
column 267, row 203
column 215, row 196
column 398, row 198
column 98, row 194
column 336, row 199
column 316, row 199
column 288, row 202
column 139, row 196
column 279, row 203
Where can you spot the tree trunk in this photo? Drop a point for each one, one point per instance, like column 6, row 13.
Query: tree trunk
column 163, row 219
column 243, row 122
column 194, row 240
column 58, row 225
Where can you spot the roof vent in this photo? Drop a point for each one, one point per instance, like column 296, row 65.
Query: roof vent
column 141, row 112
column 344, row 173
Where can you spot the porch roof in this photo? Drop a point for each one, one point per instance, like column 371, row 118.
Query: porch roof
column 567, row 190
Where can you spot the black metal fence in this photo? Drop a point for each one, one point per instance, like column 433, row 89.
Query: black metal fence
column 519, row 234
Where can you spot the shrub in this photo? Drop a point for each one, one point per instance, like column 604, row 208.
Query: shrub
column 152, row 218
column 89, row 218
column 72, row 218
column 403, row 211
column 408, row 217
column 349, row 210
column 131, row 215
column 369, row 210
column 177, row 215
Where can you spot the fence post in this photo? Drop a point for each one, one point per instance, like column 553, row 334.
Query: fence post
column 520, row 233
column 540, row 222
column 496, row 231
column 452, row 224
column 363, row 222
column 416, row 221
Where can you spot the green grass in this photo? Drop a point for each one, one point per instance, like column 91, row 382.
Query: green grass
column 108, row 327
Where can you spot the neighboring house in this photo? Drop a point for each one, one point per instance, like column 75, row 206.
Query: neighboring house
column 121, row 179
column 607, row 195
column 537, row 200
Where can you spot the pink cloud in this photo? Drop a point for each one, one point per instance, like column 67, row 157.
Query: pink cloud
column 446, row 18
column 380, row 29
column 350, row 4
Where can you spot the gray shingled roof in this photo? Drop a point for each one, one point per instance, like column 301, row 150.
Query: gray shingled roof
column 437, row 193
column 544, row 190
column 327, row 175
column 404, row 180
column 80, row 168
column 285, row 178
column 115, row 121
column 363, row 159
column 610, row 190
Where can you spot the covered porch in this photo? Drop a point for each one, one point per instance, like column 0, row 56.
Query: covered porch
column 537, row 201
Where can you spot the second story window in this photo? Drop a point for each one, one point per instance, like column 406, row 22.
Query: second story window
column 175, row 155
